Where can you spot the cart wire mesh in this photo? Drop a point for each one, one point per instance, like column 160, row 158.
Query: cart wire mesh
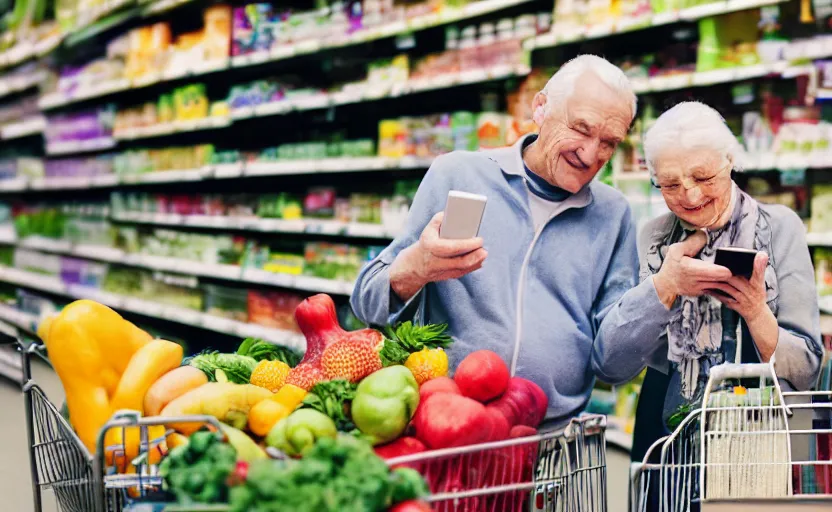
column 737, row 447
column 61, row 461
column 563, row 471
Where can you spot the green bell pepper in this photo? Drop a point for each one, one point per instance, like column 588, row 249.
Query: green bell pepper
column 384, row 403
column 300, row 430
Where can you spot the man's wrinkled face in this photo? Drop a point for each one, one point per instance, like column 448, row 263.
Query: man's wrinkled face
column 579, row 134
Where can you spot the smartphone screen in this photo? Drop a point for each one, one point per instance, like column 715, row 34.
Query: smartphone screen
column 739, row 261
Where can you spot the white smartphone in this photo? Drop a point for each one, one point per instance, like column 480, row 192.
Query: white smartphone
column 463, row 215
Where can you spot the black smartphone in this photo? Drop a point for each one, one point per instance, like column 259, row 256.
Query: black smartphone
column 739, row 261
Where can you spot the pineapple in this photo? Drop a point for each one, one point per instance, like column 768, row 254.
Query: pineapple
column 270, row 375
column 427, row 364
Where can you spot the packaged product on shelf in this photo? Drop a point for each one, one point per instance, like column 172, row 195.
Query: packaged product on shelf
column 319, row 203
column 283, row 263
column 227, row 302
column 273, row 309
column 821, row 208
column 491, row 129
column 49, row 264
column 217, row 20
column 728, row 40
column 80, row 126
column 823, row 271
column 37, row 305
column 464, row 130
column 253, row 28
column 82, row 272
column 392, row 140
column 190, row 102
column 19, row 110
column 280, row 206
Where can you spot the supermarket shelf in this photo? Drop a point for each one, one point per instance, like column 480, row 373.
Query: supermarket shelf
column 80, row 146
column 31, row 126
column 184, row 316
column 256, row 224
column 448, row 15
column 162, row 129
column 720, row 76
column 754, row 163
column 233, row 273
column 26, row 50
column 358, row 94
column 825, row 304
column 819, row 239
column 220, row 171
column 17, row 83
column 364, row 94
column 20, row 319
column 560, row 37
column 103, row 88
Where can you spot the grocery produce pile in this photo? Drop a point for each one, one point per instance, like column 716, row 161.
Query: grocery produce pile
column 299, row 431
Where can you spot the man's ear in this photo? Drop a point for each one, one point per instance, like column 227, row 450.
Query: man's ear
column 539, row 108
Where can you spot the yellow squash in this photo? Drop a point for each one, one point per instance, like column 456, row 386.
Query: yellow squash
column 90, row 346
column 226, row 401
column 147, row 366
column 267, row 413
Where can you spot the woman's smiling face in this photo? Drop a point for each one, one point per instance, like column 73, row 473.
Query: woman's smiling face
column 696, row 184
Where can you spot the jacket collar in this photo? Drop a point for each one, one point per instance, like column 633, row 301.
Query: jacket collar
column 510, row 160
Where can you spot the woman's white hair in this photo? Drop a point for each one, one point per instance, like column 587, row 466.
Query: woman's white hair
column 691, row 124
column 564, row 81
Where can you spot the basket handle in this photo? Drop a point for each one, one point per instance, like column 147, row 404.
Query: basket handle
column 727, row 371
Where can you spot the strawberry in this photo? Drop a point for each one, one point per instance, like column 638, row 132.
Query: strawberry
column 305, row 376
column 351, row 358
column 427, row 364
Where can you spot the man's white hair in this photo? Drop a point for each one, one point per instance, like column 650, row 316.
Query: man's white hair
column 563, row 82
column 691, row 124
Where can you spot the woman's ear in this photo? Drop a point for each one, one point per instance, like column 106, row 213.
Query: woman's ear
column 539, row 108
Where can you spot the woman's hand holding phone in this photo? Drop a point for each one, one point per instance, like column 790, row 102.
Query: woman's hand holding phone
column 745, row 296
column 433, row 258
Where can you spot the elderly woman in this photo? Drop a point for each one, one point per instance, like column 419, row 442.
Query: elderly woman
column 773, row 316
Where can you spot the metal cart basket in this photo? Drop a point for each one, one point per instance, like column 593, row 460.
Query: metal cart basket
column 744, row 449
column 563, row 471
column 60, row 462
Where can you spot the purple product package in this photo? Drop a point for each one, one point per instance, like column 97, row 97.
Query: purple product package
column 252, row 28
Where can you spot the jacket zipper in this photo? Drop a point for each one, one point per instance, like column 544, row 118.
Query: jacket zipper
column 521, row 286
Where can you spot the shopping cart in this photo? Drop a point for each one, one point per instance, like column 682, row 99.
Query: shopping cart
column 746, row 448
column 563, row 471
column 62, row 464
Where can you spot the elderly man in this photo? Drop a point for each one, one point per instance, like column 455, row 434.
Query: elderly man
column 556, row 252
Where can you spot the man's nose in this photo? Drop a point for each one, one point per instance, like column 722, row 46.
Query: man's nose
column 588, row 152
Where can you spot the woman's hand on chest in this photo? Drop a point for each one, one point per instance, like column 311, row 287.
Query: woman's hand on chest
column 683, row 275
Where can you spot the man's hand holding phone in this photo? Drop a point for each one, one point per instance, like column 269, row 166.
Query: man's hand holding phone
column 433, row 258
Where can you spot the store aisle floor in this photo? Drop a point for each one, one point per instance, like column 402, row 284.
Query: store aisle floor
column 15, row 481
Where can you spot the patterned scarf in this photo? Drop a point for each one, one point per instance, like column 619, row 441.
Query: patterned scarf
column 695, row 331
